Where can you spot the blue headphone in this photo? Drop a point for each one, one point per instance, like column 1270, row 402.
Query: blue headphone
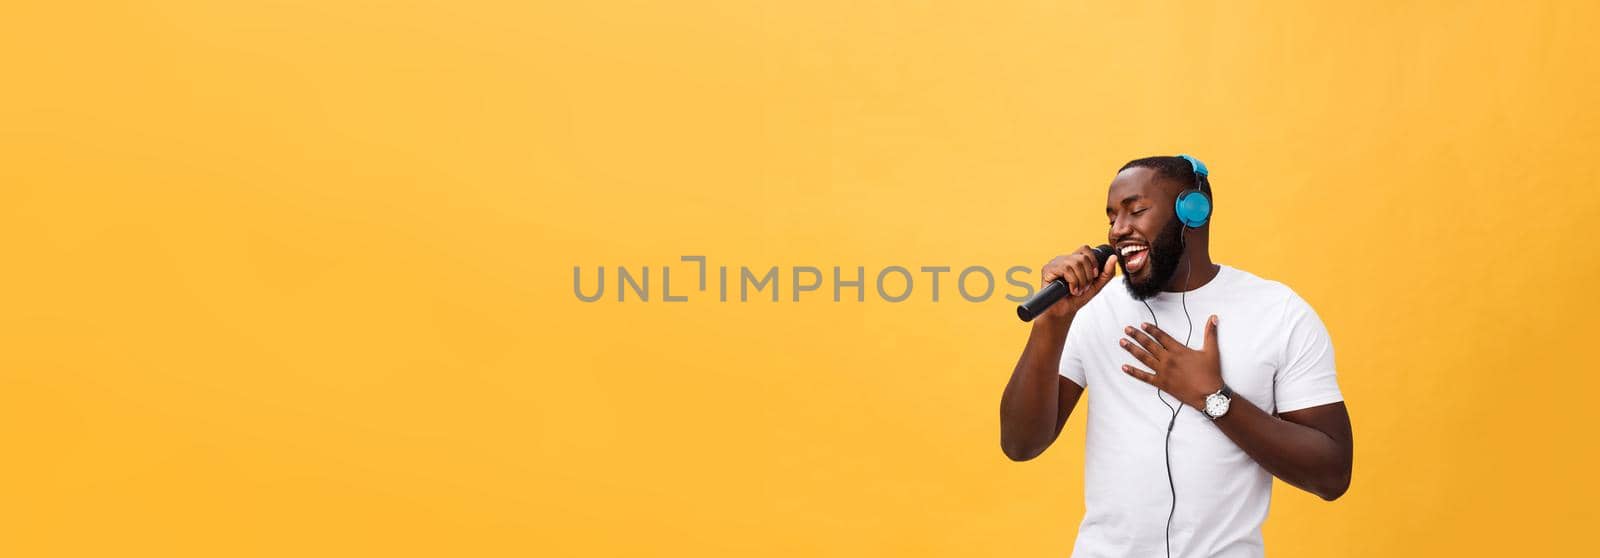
column 1193, row 206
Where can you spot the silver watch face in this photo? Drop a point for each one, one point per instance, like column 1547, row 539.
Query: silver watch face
column 1216, row 405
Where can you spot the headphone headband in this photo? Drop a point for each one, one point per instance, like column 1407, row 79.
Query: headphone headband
column 1195, row 164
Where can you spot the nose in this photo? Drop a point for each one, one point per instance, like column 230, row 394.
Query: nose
column 1121, row 227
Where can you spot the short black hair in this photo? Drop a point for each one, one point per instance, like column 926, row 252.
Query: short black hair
column 1173, row 168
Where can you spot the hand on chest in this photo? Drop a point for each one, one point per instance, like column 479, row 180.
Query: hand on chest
column 1190, row 361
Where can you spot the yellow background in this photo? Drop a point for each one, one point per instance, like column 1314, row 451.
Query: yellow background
column 294, row 278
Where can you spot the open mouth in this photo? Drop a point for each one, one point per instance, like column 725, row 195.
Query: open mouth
column 1134, row 256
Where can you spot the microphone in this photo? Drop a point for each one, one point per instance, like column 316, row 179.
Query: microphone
column 1057, row 289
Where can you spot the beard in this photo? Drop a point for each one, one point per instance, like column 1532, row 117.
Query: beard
column 1165, row 251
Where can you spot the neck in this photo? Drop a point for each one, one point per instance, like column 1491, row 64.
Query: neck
column 1195, row 267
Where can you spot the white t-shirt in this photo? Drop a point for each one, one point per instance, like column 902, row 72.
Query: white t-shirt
column 1275, row 353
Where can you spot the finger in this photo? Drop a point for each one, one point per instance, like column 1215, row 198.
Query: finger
column 1048, row 273
column 1138, row 353
column 1086, row 267
column 1211, row 334
column 1140, row 375
column 1145, row 342
column 1070, row 275
column 1063, row 272
column 1109, row 270
column 1105, row 276
column 1166, row 340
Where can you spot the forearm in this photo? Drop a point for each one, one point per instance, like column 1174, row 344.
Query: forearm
column 1305, row 457
column 1030, row 406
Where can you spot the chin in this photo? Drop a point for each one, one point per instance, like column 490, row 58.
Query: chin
column 1140, row 289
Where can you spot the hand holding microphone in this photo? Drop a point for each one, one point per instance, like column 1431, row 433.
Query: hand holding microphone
column 1072, row 279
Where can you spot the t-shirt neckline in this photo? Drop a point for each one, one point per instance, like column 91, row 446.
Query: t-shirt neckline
column 1224, row 273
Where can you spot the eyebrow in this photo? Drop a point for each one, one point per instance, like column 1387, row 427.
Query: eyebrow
column 1126, row 201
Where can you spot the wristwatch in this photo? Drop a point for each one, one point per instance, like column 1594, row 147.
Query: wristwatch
column 1217, row 403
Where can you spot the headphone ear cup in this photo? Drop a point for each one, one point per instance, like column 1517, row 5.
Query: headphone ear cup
column 1193, row 208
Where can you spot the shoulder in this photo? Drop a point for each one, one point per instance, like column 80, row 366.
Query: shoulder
column 1269, row 294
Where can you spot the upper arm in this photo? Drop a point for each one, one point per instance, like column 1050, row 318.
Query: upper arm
column 1332, row 419
column 1065, row 402
column 1328, row 473
column 1072, row 376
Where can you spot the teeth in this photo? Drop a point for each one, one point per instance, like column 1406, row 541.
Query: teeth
column 1130, row 249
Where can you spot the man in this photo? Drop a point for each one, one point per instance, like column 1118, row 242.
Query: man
column 1186, row 426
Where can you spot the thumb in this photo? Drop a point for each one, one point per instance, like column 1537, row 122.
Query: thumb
column 1107, row 271
column 1211, row 334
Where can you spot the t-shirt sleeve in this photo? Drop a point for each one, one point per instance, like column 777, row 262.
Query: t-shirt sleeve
column 1072, row 353
column 1307, row 377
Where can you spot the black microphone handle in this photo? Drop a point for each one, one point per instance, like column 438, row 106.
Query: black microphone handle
column 1057, row 289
